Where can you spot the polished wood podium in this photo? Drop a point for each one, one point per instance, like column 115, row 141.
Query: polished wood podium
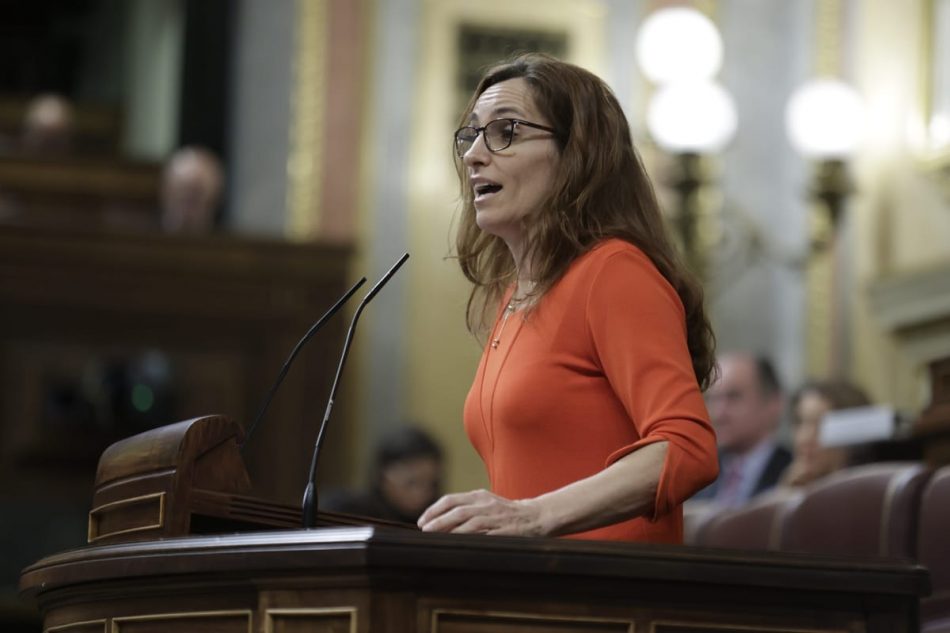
column 372, row 579
column 176, row 545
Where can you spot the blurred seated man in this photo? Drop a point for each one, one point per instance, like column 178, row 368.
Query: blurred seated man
column 745, row 405
column 809, row 405
column 192, row 183
column 48, row 126
column 406, row 479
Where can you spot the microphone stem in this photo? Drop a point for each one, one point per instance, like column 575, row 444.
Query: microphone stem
column 310, row 495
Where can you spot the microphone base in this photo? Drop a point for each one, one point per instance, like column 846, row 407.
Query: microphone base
column 309, row 506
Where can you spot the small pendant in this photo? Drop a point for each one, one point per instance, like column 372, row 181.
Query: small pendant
column 494, row 343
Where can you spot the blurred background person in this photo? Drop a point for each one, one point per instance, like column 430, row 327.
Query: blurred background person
column 48, row 126
column 192, row 183
column 746, row 405
column 809, row 405
column 406, row 479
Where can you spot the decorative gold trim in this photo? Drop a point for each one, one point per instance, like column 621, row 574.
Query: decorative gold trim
column 353, row 612
column 926, row 86
column 933, row 159
column 308, row 110
column 822, row 348
column 117, row 622
column 707, row 7
column 818, row 317
column 66, row 627
column 827, row 37
column 92, row 532
column 537, row 617
column 721, row 626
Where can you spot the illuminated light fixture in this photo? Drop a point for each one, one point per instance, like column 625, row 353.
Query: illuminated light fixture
column 689, row 116
column 825, row 119
column 939, row 130
column 825, row 122
column 678, row 44
column 697, row 117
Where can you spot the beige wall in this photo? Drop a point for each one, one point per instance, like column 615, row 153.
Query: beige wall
column 901, row 221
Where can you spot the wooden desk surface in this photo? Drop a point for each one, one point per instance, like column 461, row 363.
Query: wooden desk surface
column 379, row 579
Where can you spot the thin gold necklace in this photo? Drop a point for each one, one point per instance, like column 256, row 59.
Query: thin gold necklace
column 509, row 310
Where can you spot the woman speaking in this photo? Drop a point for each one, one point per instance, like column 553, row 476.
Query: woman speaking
column 587, row 404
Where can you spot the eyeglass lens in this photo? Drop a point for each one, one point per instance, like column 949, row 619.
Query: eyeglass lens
column 498, row 136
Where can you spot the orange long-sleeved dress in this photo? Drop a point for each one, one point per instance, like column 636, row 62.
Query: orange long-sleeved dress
column 597, row 369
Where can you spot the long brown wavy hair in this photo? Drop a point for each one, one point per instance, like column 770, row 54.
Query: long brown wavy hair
column 601, row 190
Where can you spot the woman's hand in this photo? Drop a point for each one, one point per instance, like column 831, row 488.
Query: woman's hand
column 482, row 512
column 623, row 490
column 797, row 474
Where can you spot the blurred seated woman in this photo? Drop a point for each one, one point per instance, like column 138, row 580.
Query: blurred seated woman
column 406, row 478
column 810, row 404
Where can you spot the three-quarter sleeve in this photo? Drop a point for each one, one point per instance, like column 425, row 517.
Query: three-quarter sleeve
column 637, row 326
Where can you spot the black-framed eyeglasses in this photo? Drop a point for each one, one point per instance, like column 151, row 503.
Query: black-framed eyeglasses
column 498, row 134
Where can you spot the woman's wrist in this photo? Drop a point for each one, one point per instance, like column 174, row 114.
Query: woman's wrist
column 552, row 514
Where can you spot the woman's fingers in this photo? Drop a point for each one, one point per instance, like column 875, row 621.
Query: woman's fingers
column 442, row 515
column 480, row 512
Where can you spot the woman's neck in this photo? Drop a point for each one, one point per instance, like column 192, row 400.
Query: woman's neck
column 524, row 271
column 524, row 277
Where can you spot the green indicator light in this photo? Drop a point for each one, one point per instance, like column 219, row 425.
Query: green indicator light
column 142, row 398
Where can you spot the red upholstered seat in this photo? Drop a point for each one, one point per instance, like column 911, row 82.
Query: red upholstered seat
column 933, row 551
column 758, row 525
column 869, row 510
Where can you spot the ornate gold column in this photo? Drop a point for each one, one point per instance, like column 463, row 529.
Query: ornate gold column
column 823, row 322
column 305, row 164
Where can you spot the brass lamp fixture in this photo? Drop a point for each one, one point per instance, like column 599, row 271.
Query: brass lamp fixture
column 825, row 121
column 690, row 115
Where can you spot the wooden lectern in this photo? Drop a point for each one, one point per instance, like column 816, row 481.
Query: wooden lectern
column 181, row 479
column 171, row 549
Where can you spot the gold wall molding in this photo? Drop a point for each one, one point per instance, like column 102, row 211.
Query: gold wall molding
column 934, row 154
column 823, row 318
column 827, row 37
column 305, row 163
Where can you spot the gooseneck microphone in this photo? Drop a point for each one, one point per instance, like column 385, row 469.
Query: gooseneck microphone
column 310, row 495
column 290, row 359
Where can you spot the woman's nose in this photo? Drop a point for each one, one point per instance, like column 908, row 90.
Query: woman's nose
column 478, row 152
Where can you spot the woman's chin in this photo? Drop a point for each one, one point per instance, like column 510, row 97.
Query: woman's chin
column 487, row 223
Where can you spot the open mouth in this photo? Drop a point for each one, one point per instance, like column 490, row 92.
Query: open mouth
column 482, row 191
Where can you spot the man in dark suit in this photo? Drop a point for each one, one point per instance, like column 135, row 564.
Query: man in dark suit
column 746, row 405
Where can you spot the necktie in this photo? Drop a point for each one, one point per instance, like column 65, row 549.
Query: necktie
column 730, row 487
